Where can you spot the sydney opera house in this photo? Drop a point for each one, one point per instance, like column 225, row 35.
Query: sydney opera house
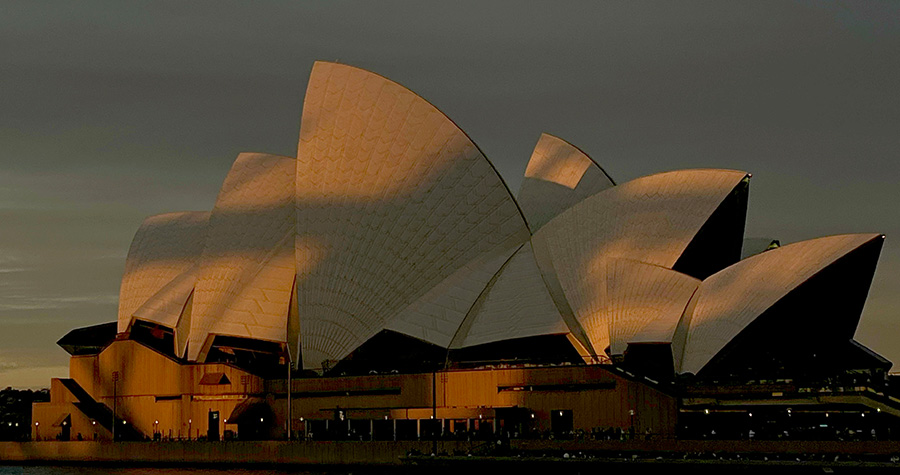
column 389, row 278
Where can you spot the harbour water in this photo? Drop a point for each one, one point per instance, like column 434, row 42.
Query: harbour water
column 96, row 470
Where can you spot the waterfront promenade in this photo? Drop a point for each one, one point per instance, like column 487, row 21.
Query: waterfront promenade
column 218, row 453
column 259, row 453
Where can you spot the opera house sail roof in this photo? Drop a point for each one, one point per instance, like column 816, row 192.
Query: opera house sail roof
column 391, row 232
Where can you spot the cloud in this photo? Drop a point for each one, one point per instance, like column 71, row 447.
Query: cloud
column 23, row 302
column 33, row 377
column 10, row 270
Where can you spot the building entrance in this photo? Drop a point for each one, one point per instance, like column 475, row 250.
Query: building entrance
column 212, row 431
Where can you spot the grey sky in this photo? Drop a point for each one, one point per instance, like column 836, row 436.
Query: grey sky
column 112, row 111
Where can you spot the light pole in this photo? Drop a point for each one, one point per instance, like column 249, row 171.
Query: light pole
column 37, row 435
column 434, row 412
column 115, row 378
column 288, row 360
column 631, row 415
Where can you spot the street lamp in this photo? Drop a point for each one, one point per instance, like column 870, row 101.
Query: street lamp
column 631, row 415
column 115, row 378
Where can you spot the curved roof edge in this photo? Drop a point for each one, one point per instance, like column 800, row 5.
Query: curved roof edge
column 385, row 78
column 731, row 299
column 547, row 137
column 247, row 267
column 558, row 175
column 437, row 316
column 651, row 219
column 166, row 306
column 726, row 181
column 164, row 246
column 644, row 302
column 392, row 198
column 515, row 304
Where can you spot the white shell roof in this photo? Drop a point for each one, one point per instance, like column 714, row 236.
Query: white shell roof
column 164, row 247
column 515, row 304
column 558, row 175
column 391, row 218
column 247, row 268
column 644, row 302
column 171, row 307
column 166, row 306
column 732, row 298
column 650, row 219
column 392, row 200
column 437, row 316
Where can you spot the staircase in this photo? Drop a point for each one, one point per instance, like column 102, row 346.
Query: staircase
column 99, row 412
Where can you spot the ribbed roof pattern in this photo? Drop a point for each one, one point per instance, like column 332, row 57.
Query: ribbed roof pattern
column 515, row 304
column 437, row 315
column 732, row 298
column 644, row 302
column 558, row 175
column 391, row 218
column 171, row 307
column 247, row 268
column 650, row 219
column 164, row 247
column 392, row 199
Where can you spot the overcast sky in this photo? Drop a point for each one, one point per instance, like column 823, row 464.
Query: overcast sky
column 112, row 111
